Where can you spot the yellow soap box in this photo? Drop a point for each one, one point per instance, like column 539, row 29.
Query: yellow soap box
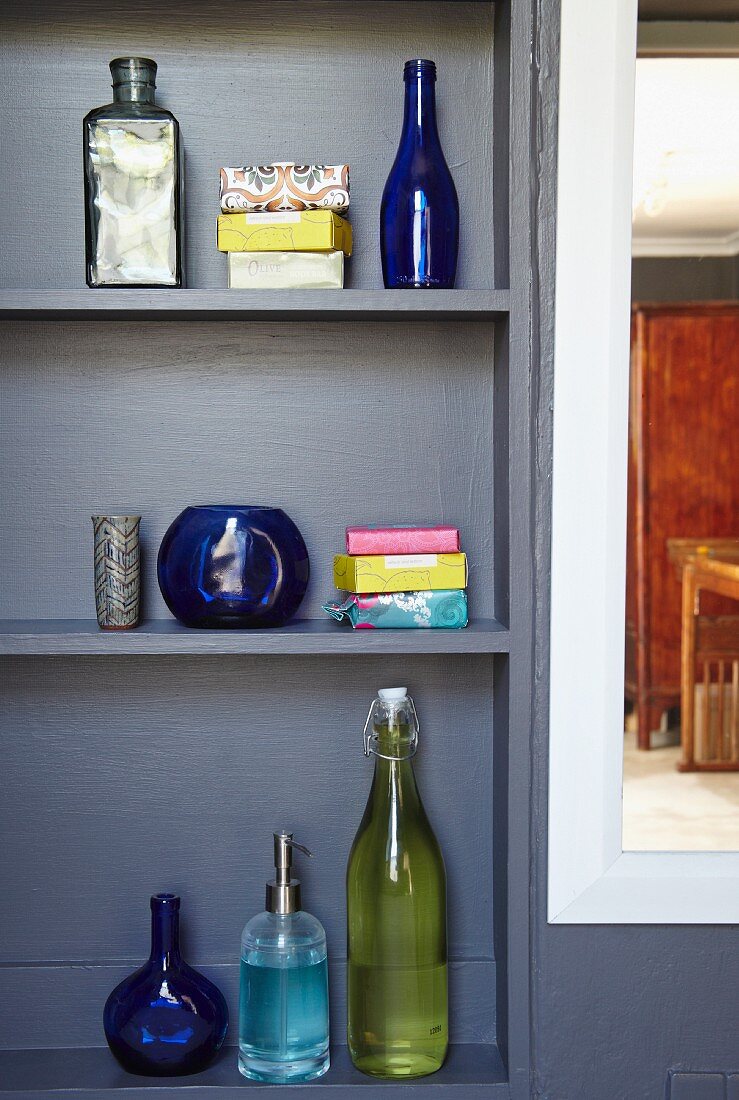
column 400, row 572
column 285, row 231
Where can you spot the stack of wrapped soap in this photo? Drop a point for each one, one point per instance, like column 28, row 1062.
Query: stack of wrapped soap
column 400, row 577
column 282, row 225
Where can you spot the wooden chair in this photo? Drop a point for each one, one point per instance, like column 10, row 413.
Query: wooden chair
column 710, row 730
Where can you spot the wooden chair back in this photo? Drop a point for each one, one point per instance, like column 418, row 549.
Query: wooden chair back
column 710, row 670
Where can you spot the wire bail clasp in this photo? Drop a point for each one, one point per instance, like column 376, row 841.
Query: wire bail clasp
column 371, row 738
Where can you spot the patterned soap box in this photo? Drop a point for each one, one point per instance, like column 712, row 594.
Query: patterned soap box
column 285, row 186
column 446, row 610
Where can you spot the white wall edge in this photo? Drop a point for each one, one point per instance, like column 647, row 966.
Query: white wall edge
column 591, row 880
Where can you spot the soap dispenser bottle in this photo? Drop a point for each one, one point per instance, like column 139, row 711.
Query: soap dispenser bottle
column 283, row 1009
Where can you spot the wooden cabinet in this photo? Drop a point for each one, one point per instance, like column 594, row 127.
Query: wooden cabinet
column 683, row 478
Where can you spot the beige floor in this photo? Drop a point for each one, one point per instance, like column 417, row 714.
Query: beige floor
column 668, row 810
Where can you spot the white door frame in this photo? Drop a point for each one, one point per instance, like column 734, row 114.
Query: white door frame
column 591, row 879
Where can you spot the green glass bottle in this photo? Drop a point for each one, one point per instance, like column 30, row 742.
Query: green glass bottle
column 396, row 911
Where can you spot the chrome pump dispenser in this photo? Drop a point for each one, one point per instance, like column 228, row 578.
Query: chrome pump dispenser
column 283, row 893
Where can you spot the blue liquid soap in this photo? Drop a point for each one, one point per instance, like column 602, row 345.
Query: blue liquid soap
column 283, row 1009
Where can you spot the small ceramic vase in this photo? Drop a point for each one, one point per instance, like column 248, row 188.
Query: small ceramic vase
column 117, row 571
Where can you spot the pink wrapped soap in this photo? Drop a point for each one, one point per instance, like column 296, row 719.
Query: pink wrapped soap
column 402, row 540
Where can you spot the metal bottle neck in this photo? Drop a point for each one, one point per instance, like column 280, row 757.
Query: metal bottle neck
column 283, row 898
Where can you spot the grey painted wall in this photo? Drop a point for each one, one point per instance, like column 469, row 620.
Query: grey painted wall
column 684, row 278
column 613, row 1007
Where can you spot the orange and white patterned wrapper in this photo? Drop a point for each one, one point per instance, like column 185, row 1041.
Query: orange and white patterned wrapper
column 284, row 186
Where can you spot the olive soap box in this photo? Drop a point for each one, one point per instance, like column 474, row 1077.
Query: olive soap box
column 286, row 270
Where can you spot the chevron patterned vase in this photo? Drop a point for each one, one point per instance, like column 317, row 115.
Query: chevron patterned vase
column 117, row 571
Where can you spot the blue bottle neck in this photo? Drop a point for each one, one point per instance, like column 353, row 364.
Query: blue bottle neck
column 165, row 930
column 419, row 116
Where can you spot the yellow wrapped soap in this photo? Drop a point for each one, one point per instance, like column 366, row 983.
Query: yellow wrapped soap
column 285, row 231
column 400, row 572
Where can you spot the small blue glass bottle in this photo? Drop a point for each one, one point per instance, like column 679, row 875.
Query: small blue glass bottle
column 419, row 215
column 283, row 1006
column 166, row 1018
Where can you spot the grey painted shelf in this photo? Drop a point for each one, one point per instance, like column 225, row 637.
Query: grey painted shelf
column 58, row 637
column 470, row 1071
column 252, row 305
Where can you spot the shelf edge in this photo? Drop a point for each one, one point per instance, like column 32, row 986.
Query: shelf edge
column 230, row 305
column 471, row 1072
column 70, row 637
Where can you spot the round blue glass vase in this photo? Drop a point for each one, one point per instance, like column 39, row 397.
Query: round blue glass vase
column 165, row 1019
column 233, row 566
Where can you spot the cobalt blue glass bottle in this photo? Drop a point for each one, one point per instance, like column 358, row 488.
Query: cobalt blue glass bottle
column 165, row 1018
column 419, row 215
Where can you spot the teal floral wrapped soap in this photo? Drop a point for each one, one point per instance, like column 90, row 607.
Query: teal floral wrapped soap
column 445, row 609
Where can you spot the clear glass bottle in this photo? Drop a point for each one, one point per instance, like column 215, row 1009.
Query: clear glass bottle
column 133, row 184
column 283, row 1008
column 419, row 214
column 396, row 911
